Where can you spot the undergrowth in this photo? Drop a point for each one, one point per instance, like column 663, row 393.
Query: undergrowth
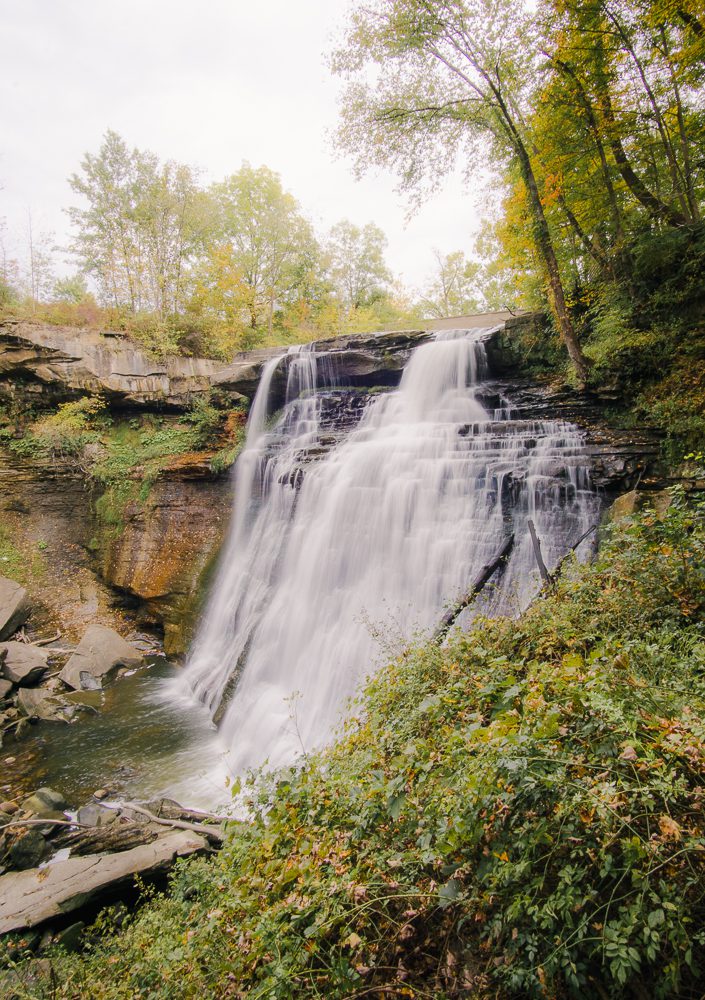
column 517, row 814
column 124, row 456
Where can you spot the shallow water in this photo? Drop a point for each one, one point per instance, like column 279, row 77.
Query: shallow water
column 139, row 745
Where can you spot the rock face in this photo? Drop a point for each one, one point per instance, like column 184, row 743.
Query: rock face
column 64, row 363
column 621, row 457
column 160, row 555
column 22, row 664
column 14, row 607
column 98, row 655
column 167, row 545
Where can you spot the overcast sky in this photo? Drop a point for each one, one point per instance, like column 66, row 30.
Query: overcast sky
column 210, row 84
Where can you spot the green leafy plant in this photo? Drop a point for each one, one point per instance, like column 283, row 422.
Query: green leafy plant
column 519, row 813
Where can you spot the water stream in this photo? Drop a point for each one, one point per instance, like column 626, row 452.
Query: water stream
column 383, row 528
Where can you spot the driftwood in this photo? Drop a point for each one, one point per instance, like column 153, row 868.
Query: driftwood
column 207, row 830
column 109, row 839
column 481, row 580
column 557, row 571
column 45, row 822
column 45, row 642
column 545, row 575
column 550, row 579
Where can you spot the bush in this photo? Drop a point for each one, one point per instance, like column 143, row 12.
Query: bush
column 519, row 814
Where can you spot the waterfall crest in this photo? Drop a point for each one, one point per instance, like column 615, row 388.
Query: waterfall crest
column 389, row 524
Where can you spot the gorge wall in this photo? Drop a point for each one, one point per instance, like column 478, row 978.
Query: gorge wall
column 146, row 552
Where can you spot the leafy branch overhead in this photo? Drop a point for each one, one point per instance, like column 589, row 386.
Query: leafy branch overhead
column 593, row 110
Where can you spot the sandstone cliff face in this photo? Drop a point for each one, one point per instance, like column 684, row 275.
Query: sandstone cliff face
column 165, row 546
column 46, row 525
column 150, row 559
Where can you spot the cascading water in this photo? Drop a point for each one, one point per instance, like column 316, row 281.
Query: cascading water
column 392, row 523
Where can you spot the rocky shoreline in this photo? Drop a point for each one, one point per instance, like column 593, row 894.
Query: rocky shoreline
column 60, row 861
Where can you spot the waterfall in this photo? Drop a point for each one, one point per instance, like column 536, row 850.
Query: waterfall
column 384, row 527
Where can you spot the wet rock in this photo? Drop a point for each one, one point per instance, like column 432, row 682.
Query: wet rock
column 14, row 607
column 95, row 814
column 28, row 850
column 70, row 938
column 43, row 801
column 36, row 703
column 99, row 654
column 91, row 701
column 23, row 664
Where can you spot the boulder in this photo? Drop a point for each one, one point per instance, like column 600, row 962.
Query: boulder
column 28, row 898
column 43, row 802
column 5, row 688
column 23, row 664
column 28, row 850
column 37, row 703
column 95, row 814
column 14, row 607
column 71, row 937
column 99, row 654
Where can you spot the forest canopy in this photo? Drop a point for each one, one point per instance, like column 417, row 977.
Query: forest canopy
column 592, row 114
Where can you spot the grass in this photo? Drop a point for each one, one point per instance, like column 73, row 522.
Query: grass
column 26, row 565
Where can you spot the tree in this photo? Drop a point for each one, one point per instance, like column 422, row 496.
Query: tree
column 9, row 271
column 452, row 290
column 140, row 227
column 40, row 263
column 358, row 271
column 222, row 299
column 451, row 76
column 271, row 244
column 73, row 289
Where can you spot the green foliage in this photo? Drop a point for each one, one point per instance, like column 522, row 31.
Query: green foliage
column 26, row 565
column 518, row 814
column 356, row 264
column 62, row 434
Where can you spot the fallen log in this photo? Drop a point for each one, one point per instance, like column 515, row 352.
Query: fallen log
column 110, row 839
column 481, row 580
column 545, row 575
column 207, row 830
column 28, row 898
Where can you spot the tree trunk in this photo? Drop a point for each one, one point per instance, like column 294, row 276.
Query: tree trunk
column 544, row 245
column 481, row 580
column 655, row 206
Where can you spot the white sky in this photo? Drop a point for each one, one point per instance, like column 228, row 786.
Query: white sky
column 209, row 84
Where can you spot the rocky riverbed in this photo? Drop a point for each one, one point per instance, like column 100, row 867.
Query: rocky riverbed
column 61, row 860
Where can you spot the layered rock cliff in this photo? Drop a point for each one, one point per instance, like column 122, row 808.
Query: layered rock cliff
column 149, row 555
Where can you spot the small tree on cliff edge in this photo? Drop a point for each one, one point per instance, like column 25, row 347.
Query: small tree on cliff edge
column 429, row 79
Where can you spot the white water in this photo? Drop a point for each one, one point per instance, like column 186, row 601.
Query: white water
column 390, row 527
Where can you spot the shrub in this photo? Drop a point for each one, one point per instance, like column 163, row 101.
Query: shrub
column 518, row 814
